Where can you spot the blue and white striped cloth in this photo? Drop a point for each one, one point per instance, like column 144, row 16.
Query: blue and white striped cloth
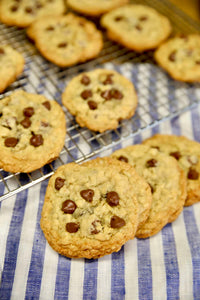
column 165, row 266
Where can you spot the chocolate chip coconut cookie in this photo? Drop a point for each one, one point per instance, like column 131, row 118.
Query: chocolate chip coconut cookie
column 90, row 210
column 167, row 182
column 32, row 131
column 180, row 57
column 137, row 27
column 66, row 40
column 11, row 66
column 99, row 99
column 23, row 12
column 95, row 8
column 187, row 154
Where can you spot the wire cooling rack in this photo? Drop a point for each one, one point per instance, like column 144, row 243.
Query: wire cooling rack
column 160, row 97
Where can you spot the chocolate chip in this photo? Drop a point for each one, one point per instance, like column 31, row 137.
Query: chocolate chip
column 119, row 18
column 28, row 111
column 172, row 56
column 197, row 62
column 85, row 80
column 87, row 195
column 143, row 18
column 108, row 79
column 26, row 123
column 123, row 158
column 28, row 10
column 151, row 163
column 44, row 124
column 39, row 5
column 62, row 45
column 117, row 222
column 14, row 8
column 192, row 174
column 176, row 155
column 50, row 28
column 2, row 51
column 112, row 198
column 72, row 227
column 94, row 225
column 116, row 94
column 69, row 206
column 47, row 104
column 92, row 105
column 138, row 27
column 106, row 95
column 183, row 36
column 151, row 187
column 59, row 182
column 11, row 142
column 86, row 94
column 36, row 140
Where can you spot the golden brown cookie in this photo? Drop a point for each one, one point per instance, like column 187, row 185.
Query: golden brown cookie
column 32, row 131
column 180, row 57
column 167, row 182
column 137, row 27
column 66, row 40
column 11, row 66
column 23, row 12
column 99, row 99
column 90, row 210
column 187, row 154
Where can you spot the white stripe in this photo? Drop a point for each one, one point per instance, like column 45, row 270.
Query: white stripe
column 131, row 269
column 183, row 257
column 49, row 274
column 6, row 212
column 158, row 267
column 76, row 279
column 26, row 243
column 104, row 278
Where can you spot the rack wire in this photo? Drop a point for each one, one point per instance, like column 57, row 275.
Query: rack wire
column 156, row 104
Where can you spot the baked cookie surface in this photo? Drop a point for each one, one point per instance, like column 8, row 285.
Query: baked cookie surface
column 167, row 182
column 99, row 99
column 66, row 40
column 95, row 8
column 32, row 131
column 23, row 12
column 187, row 154
column 89, row 210
column 137, row 27
column 11, row 66
column 180, row 57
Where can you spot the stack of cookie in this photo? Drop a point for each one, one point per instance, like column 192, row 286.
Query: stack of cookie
column 92, row 209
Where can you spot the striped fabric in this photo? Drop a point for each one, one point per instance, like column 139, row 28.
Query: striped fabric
column 165, row 266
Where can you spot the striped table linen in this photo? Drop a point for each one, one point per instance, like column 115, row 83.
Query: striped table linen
column 165, row 266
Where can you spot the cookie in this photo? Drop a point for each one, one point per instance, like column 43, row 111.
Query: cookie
column 90, row 210
column 167, row 182
column 180, row 57
column 12, row 65
column 66, row 40
column 99, row 99
column 95, row 8
column 22, row 13
column 32, row 131
column 137, row 27
column 187, row 154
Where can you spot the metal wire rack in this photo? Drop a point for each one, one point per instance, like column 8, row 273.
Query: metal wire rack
column 152, row 84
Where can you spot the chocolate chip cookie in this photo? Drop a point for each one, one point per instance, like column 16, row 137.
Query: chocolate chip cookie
column 187, row 154
column 90, row 210
column 12, row 65
column 95, row 8
column 32, row 131
column 137, row 27
column 99, row 99
column 23, row 12
column 66, row 40
column 166, row 180
column 180, row 57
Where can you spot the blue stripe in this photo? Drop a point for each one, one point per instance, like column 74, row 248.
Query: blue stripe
column 118, row 276
column 194, row 243
column 144, row 270
column 62, row 278
column 38, row 251
column 195, row 118
column 90, row 279
column 171, row 263
column 12, row 245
